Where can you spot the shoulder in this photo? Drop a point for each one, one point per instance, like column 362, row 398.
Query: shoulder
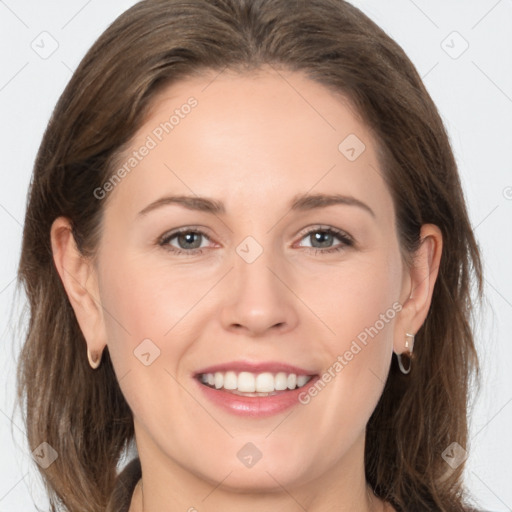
column 125, row 484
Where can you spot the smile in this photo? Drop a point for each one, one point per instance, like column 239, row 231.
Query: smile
column 251, row 384
column 254, row 389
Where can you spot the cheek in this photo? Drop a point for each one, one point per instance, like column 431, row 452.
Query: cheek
column 153, row 315
column 143, row 301
column 360, row 306
column 146, row 339
column 360, row 298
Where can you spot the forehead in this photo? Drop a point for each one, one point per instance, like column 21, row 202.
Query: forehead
column 254, row 137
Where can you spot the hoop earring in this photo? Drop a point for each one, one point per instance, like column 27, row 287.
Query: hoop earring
column 94, row 363
column 409, row 344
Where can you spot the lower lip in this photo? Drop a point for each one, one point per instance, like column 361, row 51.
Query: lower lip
column 255, row 406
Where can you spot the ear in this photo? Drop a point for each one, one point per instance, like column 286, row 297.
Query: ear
column 79, row 278
column 418, row 285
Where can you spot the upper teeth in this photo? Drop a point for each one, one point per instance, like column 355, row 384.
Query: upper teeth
column 250, row 382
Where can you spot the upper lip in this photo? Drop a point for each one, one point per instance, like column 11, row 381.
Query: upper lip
column 255, row 367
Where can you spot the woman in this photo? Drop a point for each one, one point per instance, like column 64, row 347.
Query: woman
column 255, row 370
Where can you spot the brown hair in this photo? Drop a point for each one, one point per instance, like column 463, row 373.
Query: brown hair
column 82, row 413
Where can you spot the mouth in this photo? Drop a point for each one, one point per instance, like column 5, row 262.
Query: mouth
column 254, row 389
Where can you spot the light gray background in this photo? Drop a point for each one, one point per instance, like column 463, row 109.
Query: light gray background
column 473, row 92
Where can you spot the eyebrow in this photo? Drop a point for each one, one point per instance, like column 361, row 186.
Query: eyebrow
column 300, row 202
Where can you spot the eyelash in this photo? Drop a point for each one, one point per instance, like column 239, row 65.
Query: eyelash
column 343, row 237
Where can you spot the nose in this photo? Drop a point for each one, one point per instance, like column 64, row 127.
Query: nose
column 260, row 299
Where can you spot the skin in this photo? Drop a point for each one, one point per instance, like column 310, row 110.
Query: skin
column 253, row 142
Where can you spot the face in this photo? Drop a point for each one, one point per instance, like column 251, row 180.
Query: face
column 259, row 275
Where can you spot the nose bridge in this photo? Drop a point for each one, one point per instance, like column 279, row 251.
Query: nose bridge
column 259, row 299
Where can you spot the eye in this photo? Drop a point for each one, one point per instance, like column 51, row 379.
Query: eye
column 188, row 241
column 321, row 239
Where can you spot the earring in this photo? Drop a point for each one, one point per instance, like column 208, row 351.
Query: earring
column 409, row 345
column 94, row 363
column 409, row 341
